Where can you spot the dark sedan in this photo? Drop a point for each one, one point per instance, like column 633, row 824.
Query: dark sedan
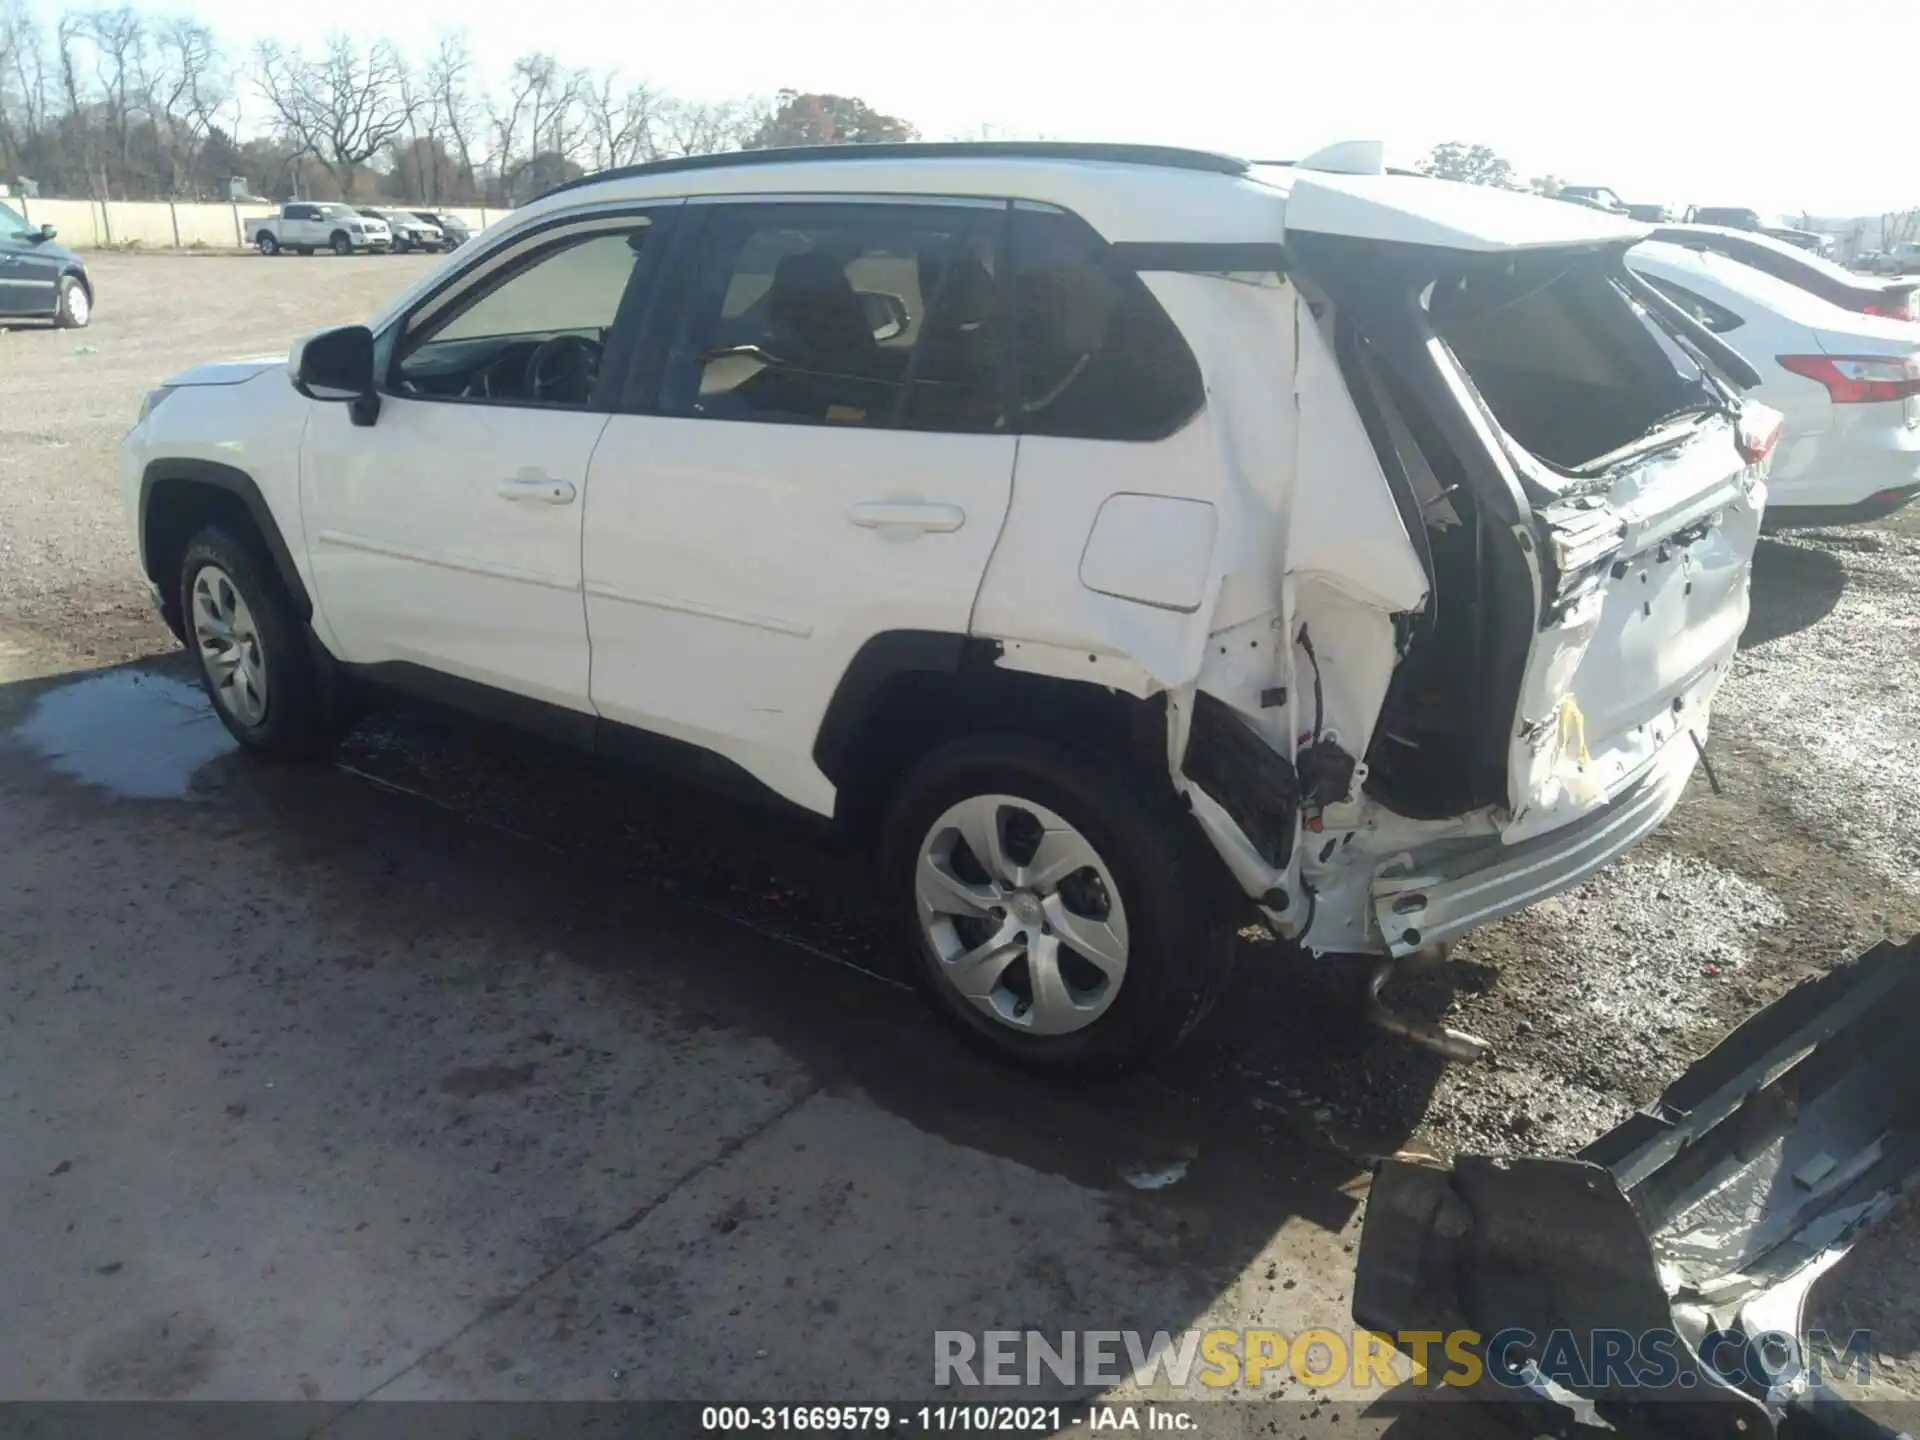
column 40, row 280
column 452, row 226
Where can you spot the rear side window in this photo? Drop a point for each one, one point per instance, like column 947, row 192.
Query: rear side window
column 862, row 316
column 1094, row 355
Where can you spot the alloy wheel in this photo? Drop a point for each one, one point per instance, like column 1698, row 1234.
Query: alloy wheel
column 1022, row 914
column 230, row 646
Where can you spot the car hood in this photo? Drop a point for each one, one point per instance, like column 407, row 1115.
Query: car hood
column 225, row 372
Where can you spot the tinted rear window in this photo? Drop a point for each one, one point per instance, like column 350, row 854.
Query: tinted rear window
column 1566, row 362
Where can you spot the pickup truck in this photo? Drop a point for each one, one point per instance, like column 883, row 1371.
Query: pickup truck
column 304, row 226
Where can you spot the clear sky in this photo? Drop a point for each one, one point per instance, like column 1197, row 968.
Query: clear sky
column 1783, row 106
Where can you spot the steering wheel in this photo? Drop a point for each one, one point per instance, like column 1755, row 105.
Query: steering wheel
column 563, row 369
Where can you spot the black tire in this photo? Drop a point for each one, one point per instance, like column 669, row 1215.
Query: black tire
column 1180, row 912
column 302, row 717
column 67, row 314
column 268, row 246
column 341, row 244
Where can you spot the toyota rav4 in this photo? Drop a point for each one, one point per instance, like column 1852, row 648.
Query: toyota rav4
column 1120, row 541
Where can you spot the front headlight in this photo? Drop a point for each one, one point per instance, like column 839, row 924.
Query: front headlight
column 150, row 402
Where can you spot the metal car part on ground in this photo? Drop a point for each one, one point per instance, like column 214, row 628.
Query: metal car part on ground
column 1696, row 1229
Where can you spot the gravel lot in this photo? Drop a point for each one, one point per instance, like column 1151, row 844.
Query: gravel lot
column 1595, row 999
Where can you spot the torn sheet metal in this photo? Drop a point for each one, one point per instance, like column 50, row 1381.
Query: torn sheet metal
column 1695, row 1229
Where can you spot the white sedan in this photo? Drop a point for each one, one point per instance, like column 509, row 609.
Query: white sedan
column 1848, row 384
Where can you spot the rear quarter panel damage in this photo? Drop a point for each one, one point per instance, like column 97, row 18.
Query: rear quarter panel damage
column 1305, row 534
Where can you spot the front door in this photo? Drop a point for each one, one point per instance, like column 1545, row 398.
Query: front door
column 827, row 463
column 29, row 278
column 445, row 537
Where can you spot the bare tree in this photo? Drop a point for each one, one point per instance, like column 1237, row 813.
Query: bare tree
column 449, row 82
column 23, row 80
column 539, row 126
column 186, row 90
column 705, row 127
column 622, row 122
column 118, row 39
column 342, row 109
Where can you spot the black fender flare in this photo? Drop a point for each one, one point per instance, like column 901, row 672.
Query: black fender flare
column 877, row 662
column 240, row 485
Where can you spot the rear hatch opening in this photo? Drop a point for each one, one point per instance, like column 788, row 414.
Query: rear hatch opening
column 1566, row 453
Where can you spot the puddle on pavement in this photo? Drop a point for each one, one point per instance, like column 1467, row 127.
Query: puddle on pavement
column 138, row 735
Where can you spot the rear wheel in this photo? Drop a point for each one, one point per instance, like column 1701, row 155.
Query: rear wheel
column 341, row 244
column 74, row 307
column 255, row 659
column 1055, row 913
column 268, row 245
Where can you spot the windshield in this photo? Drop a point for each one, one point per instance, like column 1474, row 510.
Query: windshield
column 329, row 212
column 1571, row 367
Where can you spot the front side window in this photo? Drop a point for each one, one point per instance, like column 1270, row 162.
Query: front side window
column 10, row 223
column 864, row 316
column 532, row 332
column 1095, row 357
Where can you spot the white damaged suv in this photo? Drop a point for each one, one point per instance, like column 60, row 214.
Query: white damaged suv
column 1120, row 541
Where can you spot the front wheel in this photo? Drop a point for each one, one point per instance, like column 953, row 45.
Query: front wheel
column 268, row 245
column 341, row 244
column 254, row 657
column 74, row 307
column 1062, row 916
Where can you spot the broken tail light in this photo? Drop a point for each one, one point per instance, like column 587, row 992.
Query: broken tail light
column 1859, row 379
column 1758, row 431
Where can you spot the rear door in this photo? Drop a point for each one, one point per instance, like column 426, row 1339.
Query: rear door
column 298, row 226
column 819, row 463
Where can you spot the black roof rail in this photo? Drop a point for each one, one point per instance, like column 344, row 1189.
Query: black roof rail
column 1169, row 156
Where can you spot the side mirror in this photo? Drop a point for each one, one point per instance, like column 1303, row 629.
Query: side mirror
column 47, row 232
column 337, row 366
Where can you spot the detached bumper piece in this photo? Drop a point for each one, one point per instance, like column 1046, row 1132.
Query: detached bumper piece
column 1655, row 1283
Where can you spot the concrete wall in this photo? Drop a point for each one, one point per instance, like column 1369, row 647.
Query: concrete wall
column 163, row 225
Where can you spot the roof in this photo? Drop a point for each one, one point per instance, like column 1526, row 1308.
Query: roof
column 1170, row 156
column 1136, row 193
column 1757, row 290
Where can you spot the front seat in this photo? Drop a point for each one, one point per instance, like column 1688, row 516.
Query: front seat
column 821, row 335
